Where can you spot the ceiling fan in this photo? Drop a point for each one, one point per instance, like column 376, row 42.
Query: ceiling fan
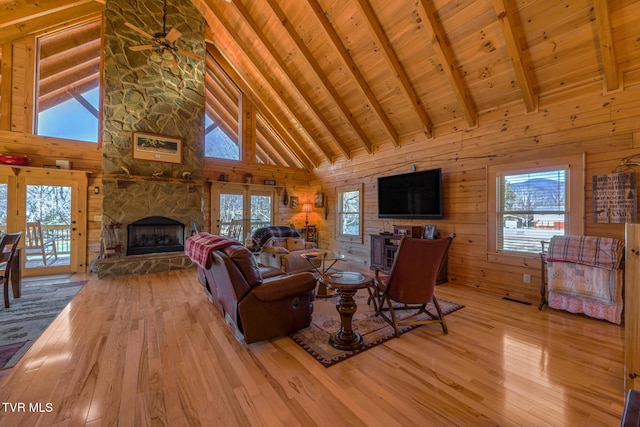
column 163, row 47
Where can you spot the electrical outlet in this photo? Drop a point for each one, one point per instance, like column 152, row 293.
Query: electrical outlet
column 526, row 278
column 97, row 218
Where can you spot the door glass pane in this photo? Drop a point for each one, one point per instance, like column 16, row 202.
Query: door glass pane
column 260, row 212
column 231, row 221
column 48, row 228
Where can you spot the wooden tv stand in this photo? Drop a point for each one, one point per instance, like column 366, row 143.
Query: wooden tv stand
column 383, row 252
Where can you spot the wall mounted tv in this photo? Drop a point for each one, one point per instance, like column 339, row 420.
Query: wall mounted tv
column 411, row 195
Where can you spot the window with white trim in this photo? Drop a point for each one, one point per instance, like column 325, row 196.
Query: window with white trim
column 349, row 211
column 530, row 203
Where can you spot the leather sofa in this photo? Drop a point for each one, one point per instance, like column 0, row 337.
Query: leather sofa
column 260, row 302
column 284, row 253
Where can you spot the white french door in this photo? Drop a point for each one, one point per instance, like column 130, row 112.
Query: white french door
column 237, row 210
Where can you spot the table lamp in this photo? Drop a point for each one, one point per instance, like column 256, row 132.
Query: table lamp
column 306, row 208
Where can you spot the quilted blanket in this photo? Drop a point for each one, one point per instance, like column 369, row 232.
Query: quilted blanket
column 603, row 252
column 584, row 276
column 200, row 246
column 261, row 235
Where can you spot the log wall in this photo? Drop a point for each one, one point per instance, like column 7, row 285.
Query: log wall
column 604, row 127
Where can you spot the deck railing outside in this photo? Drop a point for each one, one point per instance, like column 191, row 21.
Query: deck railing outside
column 62, row 233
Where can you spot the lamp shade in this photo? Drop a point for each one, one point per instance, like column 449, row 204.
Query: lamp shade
column 306, row 207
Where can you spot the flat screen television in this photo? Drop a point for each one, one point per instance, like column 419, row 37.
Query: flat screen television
column 411, row 195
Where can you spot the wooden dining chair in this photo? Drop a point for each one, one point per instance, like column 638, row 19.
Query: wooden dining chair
column 410, row 285
column 37, row 245
column 8, row 246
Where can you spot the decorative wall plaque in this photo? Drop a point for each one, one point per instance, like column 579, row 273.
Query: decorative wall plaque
column 615, row 198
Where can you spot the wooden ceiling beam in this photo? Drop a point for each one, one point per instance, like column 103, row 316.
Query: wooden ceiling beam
column 447, row 61
column 268, row 146
column 381, row 40
column 222, row 122
column 82, row 101
column 43, row 23
column 219, row 78
column 20, row 11
column 261, row 155
column 71, row 39
column 228, row 100
column 328, row 86
column 337, row 44
column 303, row 156
column 301, row 92
column 523, row 77
column 68, row 78
column 62, row 94
column 605, row 41
column 278, row 145
column 73, row 58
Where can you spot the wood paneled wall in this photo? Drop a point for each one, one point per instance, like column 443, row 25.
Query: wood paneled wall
column 605, row 127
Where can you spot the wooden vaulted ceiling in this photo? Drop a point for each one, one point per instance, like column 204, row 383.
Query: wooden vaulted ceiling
column 333, row 78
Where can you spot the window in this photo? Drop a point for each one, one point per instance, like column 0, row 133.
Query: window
column 530, row 203
column 68, row 83
column 349, row 212
column 218, row 143
column 222, row 99
column 239, row 210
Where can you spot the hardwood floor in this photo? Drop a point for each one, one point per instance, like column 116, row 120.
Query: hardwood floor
column 151, row 350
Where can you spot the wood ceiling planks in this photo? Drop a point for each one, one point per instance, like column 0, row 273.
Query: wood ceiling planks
column 338, row 77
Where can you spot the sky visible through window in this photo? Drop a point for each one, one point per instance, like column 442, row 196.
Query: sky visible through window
column 70, row 120
column 217, row 144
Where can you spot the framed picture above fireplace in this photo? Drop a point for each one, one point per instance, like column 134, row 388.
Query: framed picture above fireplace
column 157, row 148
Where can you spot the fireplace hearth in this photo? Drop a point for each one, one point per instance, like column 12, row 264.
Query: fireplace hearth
column 155, row 234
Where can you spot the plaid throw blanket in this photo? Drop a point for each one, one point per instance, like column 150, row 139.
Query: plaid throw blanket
column 200, row 246
column 261, row 235
column 603, row 252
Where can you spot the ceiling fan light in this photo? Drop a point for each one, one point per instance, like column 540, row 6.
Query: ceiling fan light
column 155, row 57
column 167, row 55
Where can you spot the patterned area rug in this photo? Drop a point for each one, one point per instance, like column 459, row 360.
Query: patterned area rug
column 26, row 319
column 374, row 330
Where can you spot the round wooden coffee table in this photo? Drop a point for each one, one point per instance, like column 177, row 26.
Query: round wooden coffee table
column 346, row 284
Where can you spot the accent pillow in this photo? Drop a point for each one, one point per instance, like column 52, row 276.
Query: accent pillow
column 294, row 244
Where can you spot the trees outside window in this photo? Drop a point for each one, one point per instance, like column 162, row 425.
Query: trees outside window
column 349, row 212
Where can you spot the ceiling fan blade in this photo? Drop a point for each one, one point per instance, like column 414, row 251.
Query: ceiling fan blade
column 141, row 47
column 173, row 35
column 138, row 30
column 189, row 54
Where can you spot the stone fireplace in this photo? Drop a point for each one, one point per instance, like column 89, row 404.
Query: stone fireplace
column 155, row 234
column 143, row 96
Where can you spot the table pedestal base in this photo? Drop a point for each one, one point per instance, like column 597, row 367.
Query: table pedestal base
column 346, row 338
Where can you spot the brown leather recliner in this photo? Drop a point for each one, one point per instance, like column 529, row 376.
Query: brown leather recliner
column 262, row 303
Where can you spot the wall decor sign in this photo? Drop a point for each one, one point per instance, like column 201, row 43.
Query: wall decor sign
column 318, row 200
column 293, row 202
column 157, row 148
column 615, row 198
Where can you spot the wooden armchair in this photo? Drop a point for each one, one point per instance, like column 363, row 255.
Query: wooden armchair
column 411, row 283
column 8, row 245
column 36, row 245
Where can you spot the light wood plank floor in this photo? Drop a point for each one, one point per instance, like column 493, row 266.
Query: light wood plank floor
column 151, row 350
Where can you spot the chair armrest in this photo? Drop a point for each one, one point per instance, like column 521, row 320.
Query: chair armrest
column 285, row 287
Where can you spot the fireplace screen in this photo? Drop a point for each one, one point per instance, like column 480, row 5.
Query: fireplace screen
column 155, row 234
